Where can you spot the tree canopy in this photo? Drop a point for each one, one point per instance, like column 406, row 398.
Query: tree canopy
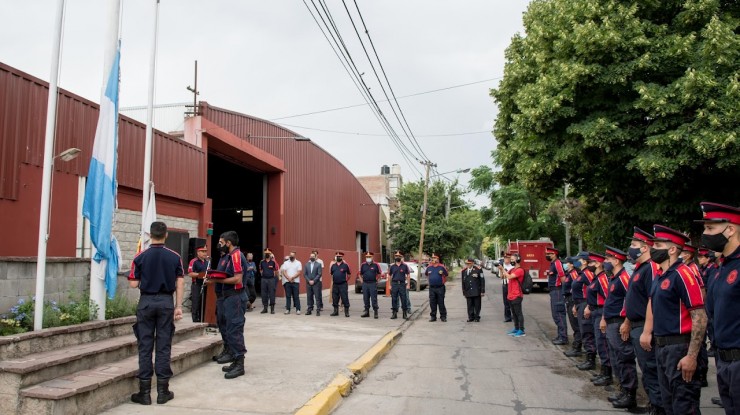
column 632, row 103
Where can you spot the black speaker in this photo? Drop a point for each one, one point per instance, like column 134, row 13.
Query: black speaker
column 192, row 243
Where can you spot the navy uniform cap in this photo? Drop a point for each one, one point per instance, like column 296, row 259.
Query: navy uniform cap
column 642, row 236
column 616, row 253
column 666, row 234
column 715, row 212
column 583, row 255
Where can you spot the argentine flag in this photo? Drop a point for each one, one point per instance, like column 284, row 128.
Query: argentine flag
column 101, row 187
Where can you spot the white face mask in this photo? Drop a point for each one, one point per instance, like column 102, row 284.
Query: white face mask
column 369, row 260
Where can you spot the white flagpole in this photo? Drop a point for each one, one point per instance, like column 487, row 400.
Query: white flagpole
column 98, row 270
column 48, row 169
column 149, row 126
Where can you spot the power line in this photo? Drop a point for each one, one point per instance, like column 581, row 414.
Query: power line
column 384, row 135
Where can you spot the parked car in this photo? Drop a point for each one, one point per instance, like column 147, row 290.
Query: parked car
column 381, row 282
column 424, row 279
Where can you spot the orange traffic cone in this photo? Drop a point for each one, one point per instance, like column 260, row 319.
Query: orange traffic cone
column 388, row 286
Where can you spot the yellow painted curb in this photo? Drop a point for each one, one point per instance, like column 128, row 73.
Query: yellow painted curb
column 325, row 401
column 372, row 357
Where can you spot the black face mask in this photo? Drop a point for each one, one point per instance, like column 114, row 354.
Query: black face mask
column 267, row 257
column 398, row 259
column 591, row 268
column 313, row 259
column 224, row 248
column 339, row 259
column 292, row 258
column 549, row 258
column 659, row 256
column 634, row 253
column 608, row 267
column 714, row 242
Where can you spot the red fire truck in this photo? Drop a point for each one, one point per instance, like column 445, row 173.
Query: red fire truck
column 532, row 254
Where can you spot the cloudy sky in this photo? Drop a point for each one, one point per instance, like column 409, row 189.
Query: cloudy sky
column 270, row 60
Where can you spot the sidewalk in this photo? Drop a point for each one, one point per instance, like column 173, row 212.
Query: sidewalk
column 290, row 358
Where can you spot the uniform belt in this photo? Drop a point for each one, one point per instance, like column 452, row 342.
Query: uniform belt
column 370, row 282
column 578, row 301
column 437, row 286
column 153, row 294
column 613, row 320
column 567, row 294
column 555, row 287
column 637, row 324
column 340, row 283
column 729, row 355
column 669, row 340
column 398, row 282
column 229, row 293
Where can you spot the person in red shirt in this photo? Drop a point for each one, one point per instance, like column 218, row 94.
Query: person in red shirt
column 515, row 278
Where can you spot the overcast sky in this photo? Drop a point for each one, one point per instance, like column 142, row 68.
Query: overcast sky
column 269, row 59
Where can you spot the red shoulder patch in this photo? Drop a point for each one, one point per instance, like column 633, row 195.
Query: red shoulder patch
column 732, row 277
column 636, row 278
column 612, row 288
column 665, row 284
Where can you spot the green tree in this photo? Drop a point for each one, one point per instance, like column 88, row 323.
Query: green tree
column 458, row 235
column 633, row 103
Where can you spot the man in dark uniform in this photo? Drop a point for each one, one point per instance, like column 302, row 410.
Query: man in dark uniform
column 340, row 274
column 579, row 290
column 622, row 352
column 571, row 276
column 722, row 234
column 596, row 296
column 677, row 320
column 196, row 271
column 473, row 288
column 505, row 286
column 312, row 272
column 268, row 281
column 250, row 271
column 437, row 276
column 636, row 301
column 399, row 276
column 157, row 273
column 369, row 275
column 234, row 300
column 555, row 277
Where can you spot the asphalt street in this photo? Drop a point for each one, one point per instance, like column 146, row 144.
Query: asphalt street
column 475, row 368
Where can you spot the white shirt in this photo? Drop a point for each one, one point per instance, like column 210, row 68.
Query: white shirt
column 290, row 268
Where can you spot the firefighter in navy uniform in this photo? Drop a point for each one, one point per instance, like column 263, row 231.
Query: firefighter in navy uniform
column 555, row 277
column 571, row 276
column 437, row 275
column 622, row 353
column 646, row 271
column 369, row 274
column 596, row 296
column 196, row 271
column 473, row 288
column 157, row 273
column 580, row 290
column 399, row 276
column 340, row 274
column 268, row 281
column 234, row 304
column 722, row 234
column 677, row 321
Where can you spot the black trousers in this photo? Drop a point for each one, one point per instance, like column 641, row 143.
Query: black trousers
column 622, row 357
column 577, row 337
column 251, row 292
column 517, row 314
column 678, row 397
column 268, row 290
column 728, row 383
column 196, row 300
column 474, row 307
column 437, row 299
column 233, row 310
column 370, row 295
column 507, row 304
column 398, row 294
column 314, row 292
column 337, row 291
column 221, row 321
column 586, row 327
column 155, row 326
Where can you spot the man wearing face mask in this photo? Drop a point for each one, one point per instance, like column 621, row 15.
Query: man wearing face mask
column 646, row 271
column 580, row 290
column 687, row 256
column 622, row 354
column 340, row 274
column 474, row 288
column 437, row 275
column 250, row 269
column 677, row 321
column 555, row 277
column 399, row 277
column 312, row 273
column 369, row 275
column 268, row 270
column 722, row 234
column 571, row 274
column 291, row 273
column 597, row 293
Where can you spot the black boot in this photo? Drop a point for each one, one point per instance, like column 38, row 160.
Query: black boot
column 318, row 312
column 375, row 314
column 237, row 370
column 575, row 351
column 144, row 396
column 629, row 400
column 394, row 315
column 619, row 394
column 224, row 359
column 336, row 312
column 589, row 363
column 606, row 380
column 272, row 309
column 164, row 393
column 405, row 314
column 599, row 375
column 264, row 310
column 346, row 311
column 218, row 357
column 229, row 367
column 366, row 313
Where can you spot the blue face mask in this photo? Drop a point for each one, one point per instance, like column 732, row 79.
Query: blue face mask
column 608, row 267
column 634, row 253
column 577, row 264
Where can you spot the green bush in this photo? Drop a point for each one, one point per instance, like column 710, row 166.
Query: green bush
column 119, row 306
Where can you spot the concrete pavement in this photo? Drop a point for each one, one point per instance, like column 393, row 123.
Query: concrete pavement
column 290, row 359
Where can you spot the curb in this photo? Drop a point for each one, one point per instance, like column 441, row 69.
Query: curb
column 374, row 355
column 325, row 401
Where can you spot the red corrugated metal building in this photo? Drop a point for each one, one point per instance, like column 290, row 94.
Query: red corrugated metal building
column 274, row 187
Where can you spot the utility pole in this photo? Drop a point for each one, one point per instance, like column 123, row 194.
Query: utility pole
column 566, row 221
column 449, row 197
column 428, row 165
column 195, row 92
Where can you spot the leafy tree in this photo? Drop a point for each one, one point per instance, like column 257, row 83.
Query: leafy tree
column 459, row 235
column 633, row 103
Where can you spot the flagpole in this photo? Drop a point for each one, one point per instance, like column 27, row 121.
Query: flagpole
column 149, row 128
column 48, row 170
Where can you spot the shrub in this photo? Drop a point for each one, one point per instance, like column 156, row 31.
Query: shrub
column 119, row 306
